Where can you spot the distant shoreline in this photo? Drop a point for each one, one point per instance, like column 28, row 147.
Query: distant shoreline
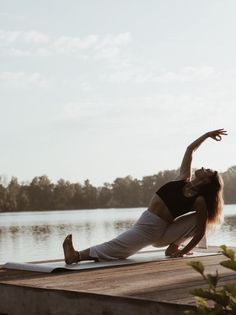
column 48, row 210
column 126, row 192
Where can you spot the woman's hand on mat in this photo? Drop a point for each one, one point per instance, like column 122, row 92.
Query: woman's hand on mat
column 217, row 134
column 178, row 253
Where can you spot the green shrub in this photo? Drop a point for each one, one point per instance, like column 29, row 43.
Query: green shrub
column 222, row 300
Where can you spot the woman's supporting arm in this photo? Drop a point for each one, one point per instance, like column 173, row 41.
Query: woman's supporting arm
column 201, row 216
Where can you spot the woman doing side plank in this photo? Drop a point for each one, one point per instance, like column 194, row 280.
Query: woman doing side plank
column 180, row 210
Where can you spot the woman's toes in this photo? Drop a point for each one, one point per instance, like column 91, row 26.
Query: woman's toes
column 69, row 237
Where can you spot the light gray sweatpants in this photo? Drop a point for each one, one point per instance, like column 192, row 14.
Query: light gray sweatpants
column 148, row 230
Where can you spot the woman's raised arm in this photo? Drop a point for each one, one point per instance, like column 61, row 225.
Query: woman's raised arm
column 185, row 168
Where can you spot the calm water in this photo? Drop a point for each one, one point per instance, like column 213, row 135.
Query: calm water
column 39, row 235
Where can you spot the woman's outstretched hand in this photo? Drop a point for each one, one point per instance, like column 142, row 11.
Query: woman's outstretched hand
column 217, row 134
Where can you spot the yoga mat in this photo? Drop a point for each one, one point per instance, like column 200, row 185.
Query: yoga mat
column 140, row 257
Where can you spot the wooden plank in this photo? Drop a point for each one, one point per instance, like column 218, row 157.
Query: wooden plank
column 168, row 281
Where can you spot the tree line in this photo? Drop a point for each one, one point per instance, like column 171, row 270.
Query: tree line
column 42, row 194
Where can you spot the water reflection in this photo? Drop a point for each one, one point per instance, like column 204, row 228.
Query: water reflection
column 39, row 236
column 230, row 223
column 122, row 225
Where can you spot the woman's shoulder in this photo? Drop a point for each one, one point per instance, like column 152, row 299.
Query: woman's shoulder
column 183, row 178
column 174, row 183
column 180, row 181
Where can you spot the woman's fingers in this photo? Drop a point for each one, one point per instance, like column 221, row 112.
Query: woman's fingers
column 176, row 254
column 217, row 137
column 217, row 134
column 223, row 132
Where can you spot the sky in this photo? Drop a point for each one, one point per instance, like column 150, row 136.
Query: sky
column 100, row 89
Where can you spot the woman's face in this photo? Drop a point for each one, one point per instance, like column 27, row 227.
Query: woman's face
column 204, row 173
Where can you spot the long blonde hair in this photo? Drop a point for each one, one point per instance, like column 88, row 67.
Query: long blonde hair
column 213, row 195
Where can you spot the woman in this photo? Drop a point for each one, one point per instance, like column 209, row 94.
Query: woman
column 180, row 210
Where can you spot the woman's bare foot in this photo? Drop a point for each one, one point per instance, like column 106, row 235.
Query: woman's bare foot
column 71, row 256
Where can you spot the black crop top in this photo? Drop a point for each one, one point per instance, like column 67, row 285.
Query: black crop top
column 173, row 196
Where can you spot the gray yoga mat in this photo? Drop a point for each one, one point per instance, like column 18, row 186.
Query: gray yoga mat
column 140, row 257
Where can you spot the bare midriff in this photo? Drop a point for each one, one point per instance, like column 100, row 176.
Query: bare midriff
column 158, row 207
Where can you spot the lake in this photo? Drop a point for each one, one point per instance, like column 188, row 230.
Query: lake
column 31, row 236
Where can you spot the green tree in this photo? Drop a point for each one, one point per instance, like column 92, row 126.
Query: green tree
column 3, row 195
column 105, row 196
column 78, row 201
column 23, row 201
column 89, row 195
column 126, row 192
column 41, row 193
column 12, row 192
column 62, row 195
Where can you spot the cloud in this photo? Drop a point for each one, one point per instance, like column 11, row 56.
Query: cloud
column 19, row 37
column 140, row 75
column 77, row 110
column 118, row 114
column 187, row 74
column 22, row 80
column 83, row 110
column 145, row 114
column 34, row 43
column 69, row 45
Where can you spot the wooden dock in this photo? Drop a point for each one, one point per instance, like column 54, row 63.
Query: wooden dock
column 150, row 288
